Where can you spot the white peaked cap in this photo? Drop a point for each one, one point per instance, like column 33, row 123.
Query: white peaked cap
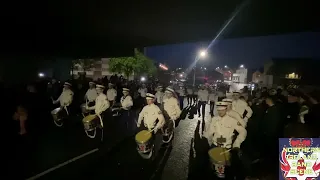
column 67, row 84
column 100, row 86
column 125, row 89
column 169, row 90
column 227, row 100
column 222, row 105
column 91, row 82
column 150, row 96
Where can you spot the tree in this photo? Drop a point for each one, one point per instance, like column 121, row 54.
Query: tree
column 138, row 64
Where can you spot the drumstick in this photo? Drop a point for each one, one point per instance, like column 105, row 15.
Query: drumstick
column 225, row 151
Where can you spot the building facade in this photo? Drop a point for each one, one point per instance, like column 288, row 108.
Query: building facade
column 100, row 69
column 240, row 76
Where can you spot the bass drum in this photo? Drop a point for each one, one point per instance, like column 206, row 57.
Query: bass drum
column 220, row 159
column 144, row 143
column 57, row 118
column 90, row 124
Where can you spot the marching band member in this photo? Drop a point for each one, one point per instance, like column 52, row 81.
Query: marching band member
column 189, row 95
column 111, row 94
column 172, row 112
column 212, row 98
column 203, row 96
column 171, row 105
column 220, row 131
column 102, row 104
column 233, row 113
column 91, row 94
column 181, row 93
column 159, row 95
column 150, row 114
column 126, row 99
column 66, row 96
column 241, row 106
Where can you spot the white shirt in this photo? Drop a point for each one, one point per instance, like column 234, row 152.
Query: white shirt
column 91, row 95
column 189, row 91
column 111, row 94
column 225, row 126
column 213, row 97
column 159, row 96
column 220, row 94
column 65, row 98
column 126, row 102
column 172, row 108
column 101, row 104
column 143, row 92
column 150, row 114
column 240, row 106
column 203, row 95
column 181, row 92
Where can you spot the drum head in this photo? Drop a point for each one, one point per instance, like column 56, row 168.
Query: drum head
column 143, row 136
column 56, row 110
column 219, row 155
column 89, row 118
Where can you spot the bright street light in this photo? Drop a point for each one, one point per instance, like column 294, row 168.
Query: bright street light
column 241, row 65
column 203, row 53
column 143, row 79
column 41, row 75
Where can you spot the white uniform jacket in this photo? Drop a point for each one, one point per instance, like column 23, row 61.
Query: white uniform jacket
column 172, row 108
column 240, row 106
column 224, row 127
column 237, row 117
column 91, row 95
column 111, row 94
column 203, row 95
column 101, row 105
column 126, row 102
column 65, row 98
column 150, row 114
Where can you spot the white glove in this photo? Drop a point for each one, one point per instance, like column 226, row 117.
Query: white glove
column 155, row 130
column 245, row 119
column 236, row 145
column 138, row 125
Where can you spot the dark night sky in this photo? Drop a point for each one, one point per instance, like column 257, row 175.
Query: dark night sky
column 252, row 51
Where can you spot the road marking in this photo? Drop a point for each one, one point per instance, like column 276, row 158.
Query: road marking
column 62, row 164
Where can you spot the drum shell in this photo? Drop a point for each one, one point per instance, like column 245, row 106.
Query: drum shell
column 56, row 114
column 145, row 147
column 219, row 165
column 91, row 125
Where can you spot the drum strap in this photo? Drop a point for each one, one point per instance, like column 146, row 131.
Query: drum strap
column 100, row 120
column 65, row 108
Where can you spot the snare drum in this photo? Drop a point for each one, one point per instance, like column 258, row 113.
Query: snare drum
column 143, row 139
column 219, row 158
column 90, row 122
column 56, row 114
